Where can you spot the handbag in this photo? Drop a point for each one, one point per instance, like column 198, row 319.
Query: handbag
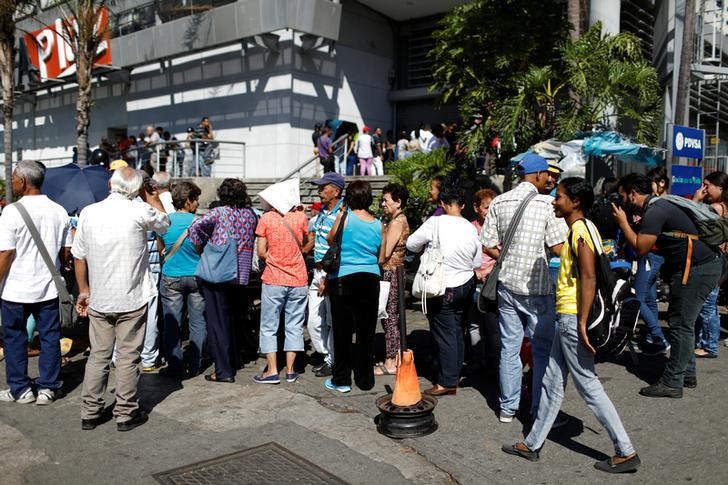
column 488, row 293
column 66, row 305
column 219, row 263
column 429, row 281
column 332, row 259
column 384, row 287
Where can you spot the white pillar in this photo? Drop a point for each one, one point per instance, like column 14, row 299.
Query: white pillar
column 607, row 12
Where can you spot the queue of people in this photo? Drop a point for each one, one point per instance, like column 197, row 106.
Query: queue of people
column 207, row 261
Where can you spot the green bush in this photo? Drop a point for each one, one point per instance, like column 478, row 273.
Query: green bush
column 415, row 173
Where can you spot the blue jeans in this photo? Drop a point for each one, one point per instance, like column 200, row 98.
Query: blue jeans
column 174, row 293
column 707, row 326
column 645, row 287
column 518, row 314
column 205, row 170
column 276, row 299
column 445, row 315
column 150, row 352
column 569, row 356
column 48, row 322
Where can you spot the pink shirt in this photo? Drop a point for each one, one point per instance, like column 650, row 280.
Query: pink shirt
column 488, row 262
column 285, row 265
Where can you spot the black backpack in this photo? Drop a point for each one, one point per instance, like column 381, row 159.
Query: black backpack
column 615, row 310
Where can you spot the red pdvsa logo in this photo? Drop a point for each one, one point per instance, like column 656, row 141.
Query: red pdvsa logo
column 51, row 53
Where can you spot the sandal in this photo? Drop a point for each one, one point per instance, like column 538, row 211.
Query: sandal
column 381, row 370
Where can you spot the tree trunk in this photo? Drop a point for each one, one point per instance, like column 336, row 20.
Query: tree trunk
column 573, row 13
column 7, row 39
column 84, row 65
column 682, row 97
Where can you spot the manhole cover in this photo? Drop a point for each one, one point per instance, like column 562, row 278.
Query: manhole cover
column 268, row 463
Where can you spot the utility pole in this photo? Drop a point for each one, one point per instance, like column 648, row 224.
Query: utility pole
column 682, row 97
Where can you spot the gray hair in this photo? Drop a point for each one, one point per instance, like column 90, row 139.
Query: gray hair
column 32, row 172
column 126, row 181
column 163, row 179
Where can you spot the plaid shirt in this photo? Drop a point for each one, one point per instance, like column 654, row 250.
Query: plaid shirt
column 525, row 269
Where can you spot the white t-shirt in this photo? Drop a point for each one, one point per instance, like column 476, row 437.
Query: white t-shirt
column 364, row 146
column 459, row 245
column 28, row 279
column 425, row 137
column 166, row 199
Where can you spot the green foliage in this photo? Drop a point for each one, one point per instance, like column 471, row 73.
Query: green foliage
column 609, row 79
column 481, row 44
column 415, row 173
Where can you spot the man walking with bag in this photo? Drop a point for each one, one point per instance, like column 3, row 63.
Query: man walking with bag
column 525, row 290
column 30, row 288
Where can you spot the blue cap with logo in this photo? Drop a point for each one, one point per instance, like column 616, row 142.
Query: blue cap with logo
column 532, row 163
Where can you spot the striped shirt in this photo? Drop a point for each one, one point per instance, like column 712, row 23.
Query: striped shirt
column 525, row 269
column 322, row 227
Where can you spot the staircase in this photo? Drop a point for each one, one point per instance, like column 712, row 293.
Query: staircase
column 309, row 191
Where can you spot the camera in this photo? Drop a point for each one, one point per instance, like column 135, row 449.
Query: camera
column 615, row 198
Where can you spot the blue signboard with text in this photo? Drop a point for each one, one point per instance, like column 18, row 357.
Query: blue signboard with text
column 685, row 180
column 687, row 142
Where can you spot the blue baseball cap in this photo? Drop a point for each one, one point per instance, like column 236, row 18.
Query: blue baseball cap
column 532, row 163
column 332, row 178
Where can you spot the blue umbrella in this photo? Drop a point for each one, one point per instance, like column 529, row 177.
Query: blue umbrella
column 75, row 187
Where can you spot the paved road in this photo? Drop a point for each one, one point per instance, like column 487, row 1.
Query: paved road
column 678, row 440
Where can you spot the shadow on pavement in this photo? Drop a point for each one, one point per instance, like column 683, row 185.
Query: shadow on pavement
column 154, row 389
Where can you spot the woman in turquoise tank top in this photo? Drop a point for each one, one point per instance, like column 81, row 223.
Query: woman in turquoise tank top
column 354, row 291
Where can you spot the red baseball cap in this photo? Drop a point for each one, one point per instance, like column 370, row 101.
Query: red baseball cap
column 365, row 129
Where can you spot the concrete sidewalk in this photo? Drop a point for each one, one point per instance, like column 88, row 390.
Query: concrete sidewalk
column 678, row 440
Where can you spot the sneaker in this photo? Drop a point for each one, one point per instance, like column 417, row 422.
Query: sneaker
column 292, row 377
column 26, row 397
column 272, row 379
column 45, row 396
column 324, row 371
column 505, row 418
column 333, row 387
column 661, row 390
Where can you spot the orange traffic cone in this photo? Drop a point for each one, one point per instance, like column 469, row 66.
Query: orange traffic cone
column 406, row 385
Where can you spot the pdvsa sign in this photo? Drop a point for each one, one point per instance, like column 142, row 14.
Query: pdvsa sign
column 49, row 49
column 687, row 142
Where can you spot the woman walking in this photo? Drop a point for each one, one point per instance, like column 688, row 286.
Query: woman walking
column 571, row 352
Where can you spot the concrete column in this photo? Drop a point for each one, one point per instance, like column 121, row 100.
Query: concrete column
column 607, row 12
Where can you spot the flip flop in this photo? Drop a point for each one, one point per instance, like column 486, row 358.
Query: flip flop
column 383, row 371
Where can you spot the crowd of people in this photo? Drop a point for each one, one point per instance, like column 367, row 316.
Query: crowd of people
column 203, row 264
column 156, row 149
column 368, row 152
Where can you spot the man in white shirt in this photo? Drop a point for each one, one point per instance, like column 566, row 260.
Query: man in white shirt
column 115, row 286
column 164, row 181
column 29, row 288
column 425, row 138
column 525, row 290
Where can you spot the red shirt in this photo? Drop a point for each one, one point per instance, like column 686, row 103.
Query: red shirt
column 285, row 265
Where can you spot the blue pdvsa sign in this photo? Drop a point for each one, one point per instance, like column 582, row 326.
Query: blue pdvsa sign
column 687, row 142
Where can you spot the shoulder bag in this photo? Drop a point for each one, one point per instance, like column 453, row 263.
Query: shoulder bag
column 219, row 264
column 488, row 293
column 66, row 306
column 332, row 258
column 429, row 281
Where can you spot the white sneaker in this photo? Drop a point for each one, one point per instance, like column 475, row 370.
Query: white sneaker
column 505, row 418
column 45, row 396
column 26, row 397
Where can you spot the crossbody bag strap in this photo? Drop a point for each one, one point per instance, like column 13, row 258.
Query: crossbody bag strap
column 290, row 229
column 511, row 231
column 342, row 223
column 177, row 245
column 57, row 279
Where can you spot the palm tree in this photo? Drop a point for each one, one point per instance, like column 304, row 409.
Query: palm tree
column 9, row 9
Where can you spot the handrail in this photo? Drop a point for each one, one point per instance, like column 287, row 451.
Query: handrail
column 303, row 165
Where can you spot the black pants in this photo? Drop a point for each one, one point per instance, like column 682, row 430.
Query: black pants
column 327, row 163
column 354, row 310
column 224, row 304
